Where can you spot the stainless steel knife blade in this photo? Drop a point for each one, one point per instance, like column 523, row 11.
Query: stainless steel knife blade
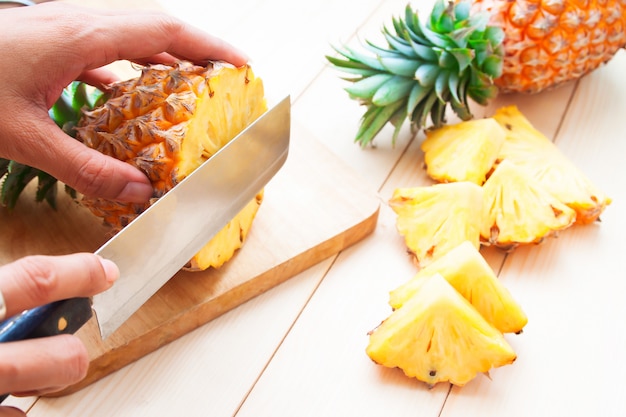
column 160, row 241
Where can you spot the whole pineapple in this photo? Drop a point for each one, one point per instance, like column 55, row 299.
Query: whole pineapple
column 470, row 50
column 166, row 122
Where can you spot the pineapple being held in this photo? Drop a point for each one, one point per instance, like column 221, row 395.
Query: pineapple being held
column 518, row 209
column 469, row 50
column 167, row 122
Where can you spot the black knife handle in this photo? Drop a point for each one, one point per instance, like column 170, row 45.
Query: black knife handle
column 60, row 317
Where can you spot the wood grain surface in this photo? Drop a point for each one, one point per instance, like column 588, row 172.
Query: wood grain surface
column 312, row 209
column 299, row 348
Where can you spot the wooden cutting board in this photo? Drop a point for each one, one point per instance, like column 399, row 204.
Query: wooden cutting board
column 312, row 209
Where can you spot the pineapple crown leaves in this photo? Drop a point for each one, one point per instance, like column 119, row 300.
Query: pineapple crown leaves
column 66, row 113
column 452, row 57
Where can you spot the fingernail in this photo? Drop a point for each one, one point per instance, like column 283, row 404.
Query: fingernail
column 245, row 56
column 111, row 270
column 135, row 192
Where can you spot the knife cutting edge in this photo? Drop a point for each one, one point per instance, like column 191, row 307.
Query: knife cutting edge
column 160, row 241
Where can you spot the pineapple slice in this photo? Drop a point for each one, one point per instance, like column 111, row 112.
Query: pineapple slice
column 537, row 155
column 228, row 240
column 438, row 336
column 436, row 218
column 167, row 122
column 519, row 210
column 468, row 272
column 465, row 151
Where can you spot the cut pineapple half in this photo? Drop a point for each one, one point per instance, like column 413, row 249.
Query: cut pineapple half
column 228, row 240
column 438, row 336
column 537, row 155
column 465, row 151
column 435, row 219
column 468, row 272
column 518, row 210
column 167, row 122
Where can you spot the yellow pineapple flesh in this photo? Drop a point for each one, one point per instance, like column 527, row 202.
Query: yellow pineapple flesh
column 167, row 122
column 468, row 272
column 464, row 151
column 435, row 219
column 541, row 159
column 547, row 43
column 222, row 247
column 519, row 210
column 438, row 336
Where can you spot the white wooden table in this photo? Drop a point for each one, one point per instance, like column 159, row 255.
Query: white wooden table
column 299, row 349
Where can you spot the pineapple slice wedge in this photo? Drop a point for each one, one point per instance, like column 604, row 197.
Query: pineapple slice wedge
column 468, row 272
column 438, row 336
column 538, row 156
column 464, row 151
column 519, row 210
column 435, row 219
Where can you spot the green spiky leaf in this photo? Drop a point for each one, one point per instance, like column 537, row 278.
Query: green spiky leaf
column 66, row 113
column 425, row 67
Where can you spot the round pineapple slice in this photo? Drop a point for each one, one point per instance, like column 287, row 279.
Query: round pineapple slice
column 468, row 272
column 167, row 122
column 438, row 336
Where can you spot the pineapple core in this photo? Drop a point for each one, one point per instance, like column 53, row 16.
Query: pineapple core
column 167, row 122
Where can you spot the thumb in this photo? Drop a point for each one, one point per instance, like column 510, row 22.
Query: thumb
column 43, row 145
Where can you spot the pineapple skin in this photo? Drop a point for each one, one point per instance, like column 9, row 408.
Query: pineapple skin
column 167, row 122
column 549, row 43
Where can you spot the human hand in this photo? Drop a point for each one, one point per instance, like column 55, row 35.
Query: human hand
column 47, row 46
column 45, row 365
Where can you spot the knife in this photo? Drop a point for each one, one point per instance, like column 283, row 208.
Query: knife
column 161, row 240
